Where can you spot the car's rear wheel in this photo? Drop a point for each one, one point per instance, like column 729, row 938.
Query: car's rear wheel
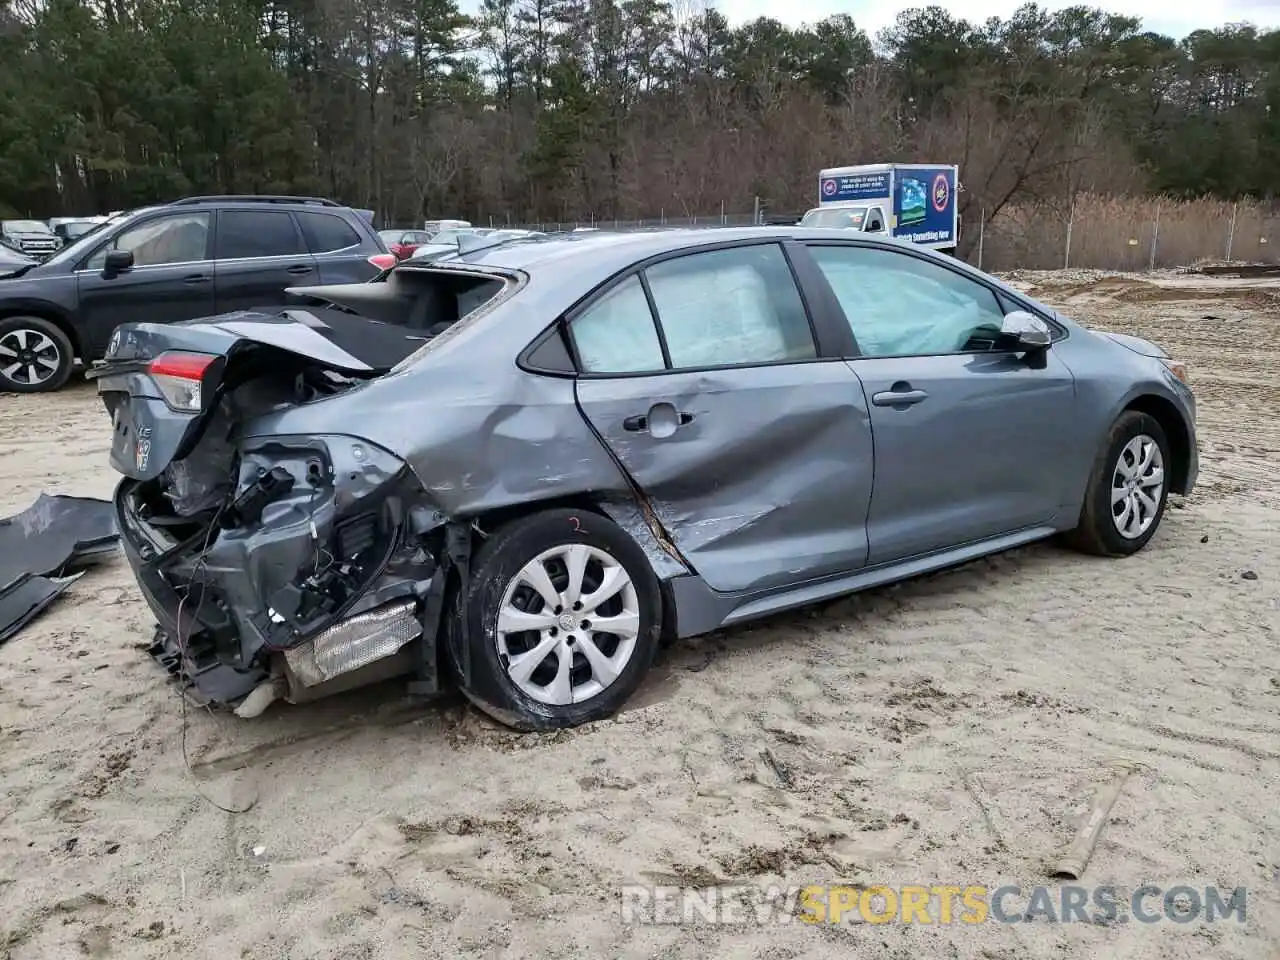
column 1127, row 490
column 35, row 355
column 563, row 614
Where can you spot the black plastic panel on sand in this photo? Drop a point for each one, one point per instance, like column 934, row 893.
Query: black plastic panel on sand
column 53, row 534
column 25, row 598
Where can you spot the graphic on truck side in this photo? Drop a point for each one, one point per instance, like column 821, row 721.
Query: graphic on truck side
column 914, row 201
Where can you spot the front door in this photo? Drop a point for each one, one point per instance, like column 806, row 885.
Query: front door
column 259, row 253
column 171, row 278
column 967, row 437
column 754, row 454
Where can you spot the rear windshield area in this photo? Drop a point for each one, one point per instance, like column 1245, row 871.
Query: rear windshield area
column 426, row 302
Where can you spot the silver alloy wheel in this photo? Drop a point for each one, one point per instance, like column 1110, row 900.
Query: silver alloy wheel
column 28, row 356
column 568, row 624
column 1137, row 485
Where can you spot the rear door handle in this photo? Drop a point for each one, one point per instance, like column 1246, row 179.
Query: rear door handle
column 197, row 278
column 300, row 269
column 899, row 398
column 662, row 416
column 636, row 424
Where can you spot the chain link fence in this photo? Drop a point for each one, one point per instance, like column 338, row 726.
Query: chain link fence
column 1127, row 234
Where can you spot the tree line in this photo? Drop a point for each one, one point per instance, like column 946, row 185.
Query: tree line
column 564, row 109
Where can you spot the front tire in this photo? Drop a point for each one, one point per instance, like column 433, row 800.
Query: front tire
column 1127, row 491
column 35, row 356
column 564, row 617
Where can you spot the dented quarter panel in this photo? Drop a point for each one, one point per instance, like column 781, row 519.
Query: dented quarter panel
column 475, row 441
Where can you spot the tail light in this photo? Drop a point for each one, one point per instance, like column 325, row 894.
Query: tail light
column 180, row 377
column 383, row 261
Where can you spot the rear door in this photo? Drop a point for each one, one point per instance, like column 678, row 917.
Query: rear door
column 258, row 253
column 704, row 376
column 968, row 436
column 341, row 254
column 171, row 278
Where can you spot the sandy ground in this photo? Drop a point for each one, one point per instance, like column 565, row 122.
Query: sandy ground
column 944, row 731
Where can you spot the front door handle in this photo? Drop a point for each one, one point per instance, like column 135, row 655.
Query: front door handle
column 197, row 278
column 300, row 269
column 899, row 398
column 636, row 424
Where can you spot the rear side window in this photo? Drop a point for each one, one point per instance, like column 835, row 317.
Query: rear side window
column 256, row 233
column 728, row 307
column 616, row 334
column 325, row 233
column 714, row 309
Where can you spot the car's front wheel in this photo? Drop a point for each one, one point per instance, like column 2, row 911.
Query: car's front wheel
column 1126, row 497
column 35, row 356
column 563, row 614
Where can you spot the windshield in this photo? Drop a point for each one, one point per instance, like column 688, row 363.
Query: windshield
column 843, row 217
column 78, row 228
column 26, row 226
column 82, row 245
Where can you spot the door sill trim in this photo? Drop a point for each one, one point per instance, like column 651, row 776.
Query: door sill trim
column 699, row 609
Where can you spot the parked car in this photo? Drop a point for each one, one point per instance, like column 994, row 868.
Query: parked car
column 446, row 242
column 14, row 261
column 467, row 240
column 178, row 261
column 603, row 442
column 435, row 226
column 70, row 229
column 30, row 237
column 403, row 242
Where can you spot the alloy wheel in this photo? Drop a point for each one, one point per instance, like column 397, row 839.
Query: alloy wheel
column 28, row 356
column 568, row 624
column 1137, row 487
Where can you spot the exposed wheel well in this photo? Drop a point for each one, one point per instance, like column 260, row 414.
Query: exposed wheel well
column 53, row 317
column 1175, row 431
column 492, row 519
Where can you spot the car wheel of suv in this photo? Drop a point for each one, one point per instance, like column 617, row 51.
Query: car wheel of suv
column 35, row 355
column 1127, row 490
column 563, row 614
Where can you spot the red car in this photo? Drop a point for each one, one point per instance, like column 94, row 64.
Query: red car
column 403, row 242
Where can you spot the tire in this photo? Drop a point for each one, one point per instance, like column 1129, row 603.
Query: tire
column 483, row 670
column 39, row 343
column 1099, row 530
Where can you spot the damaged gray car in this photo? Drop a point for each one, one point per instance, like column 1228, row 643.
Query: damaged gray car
column 528, row 466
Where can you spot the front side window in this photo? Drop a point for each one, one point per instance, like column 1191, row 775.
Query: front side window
column 900, row 305
column 256, row 233
column 179, row 238
column 729, row 307
column 616, row 334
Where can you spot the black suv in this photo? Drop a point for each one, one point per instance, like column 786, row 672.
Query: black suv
column 192, row 258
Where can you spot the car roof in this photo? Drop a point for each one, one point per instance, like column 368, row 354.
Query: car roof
column 609, row 251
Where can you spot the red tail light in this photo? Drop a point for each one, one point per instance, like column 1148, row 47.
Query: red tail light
column 180, row 377
column 383, row 261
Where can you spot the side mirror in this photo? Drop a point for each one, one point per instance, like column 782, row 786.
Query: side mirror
column 118, row 261
column 1026, row 331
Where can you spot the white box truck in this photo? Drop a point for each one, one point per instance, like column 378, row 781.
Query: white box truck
column 911, row 201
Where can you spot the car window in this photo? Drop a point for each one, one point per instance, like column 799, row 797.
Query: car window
column 325, row 233
column 180, row 238
column 616, row 334
column 900, row 305
column 256, row 233
column 733, row 306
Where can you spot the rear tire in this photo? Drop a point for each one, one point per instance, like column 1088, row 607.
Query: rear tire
column 1129, row 476
column 35, row 356
column 534, row 661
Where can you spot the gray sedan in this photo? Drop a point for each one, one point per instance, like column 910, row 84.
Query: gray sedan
column 530, row 465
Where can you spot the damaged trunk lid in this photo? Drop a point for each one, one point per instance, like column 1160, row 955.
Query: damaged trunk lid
column 163, row 384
